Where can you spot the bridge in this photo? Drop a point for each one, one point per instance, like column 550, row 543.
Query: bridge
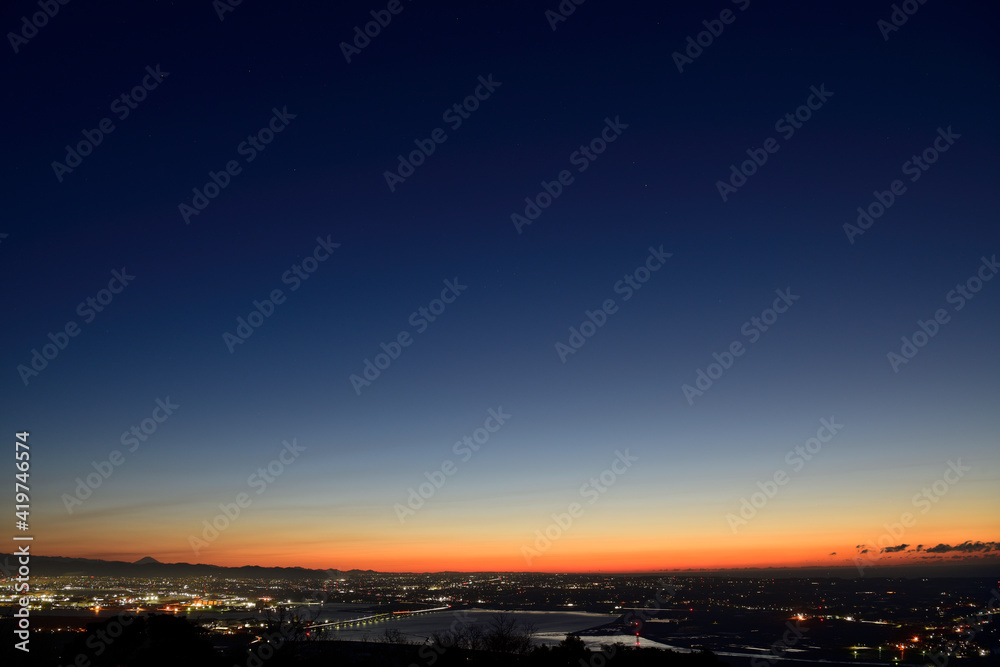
column 375, row 618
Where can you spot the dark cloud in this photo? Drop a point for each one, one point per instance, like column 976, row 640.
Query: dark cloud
column 892, row 550
column 965, row 547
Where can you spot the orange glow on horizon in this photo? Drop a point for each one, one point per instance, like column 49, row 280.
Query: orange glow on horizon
column 601, row 543
column 488, row 560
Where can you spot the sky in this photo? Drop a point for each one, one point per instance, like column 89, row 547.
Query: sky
column 494, row 286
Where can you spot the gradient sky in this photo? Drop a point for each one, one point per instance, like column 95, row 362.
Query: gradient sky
column 495, row 346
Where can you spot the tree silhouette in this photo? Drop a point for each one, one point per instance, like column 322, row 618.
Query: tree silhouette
column 157, row 640
column 506, row 635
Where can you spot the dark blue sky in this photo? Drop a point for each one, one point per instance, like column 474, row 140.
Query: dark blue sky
column 655, row 185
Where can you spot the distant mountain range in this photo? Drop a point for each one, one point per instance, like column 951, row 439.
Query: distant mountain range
column 56, row 566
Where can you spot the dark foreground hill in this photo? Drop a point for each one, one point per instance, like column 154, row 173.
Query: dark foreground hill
column 169, row 641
